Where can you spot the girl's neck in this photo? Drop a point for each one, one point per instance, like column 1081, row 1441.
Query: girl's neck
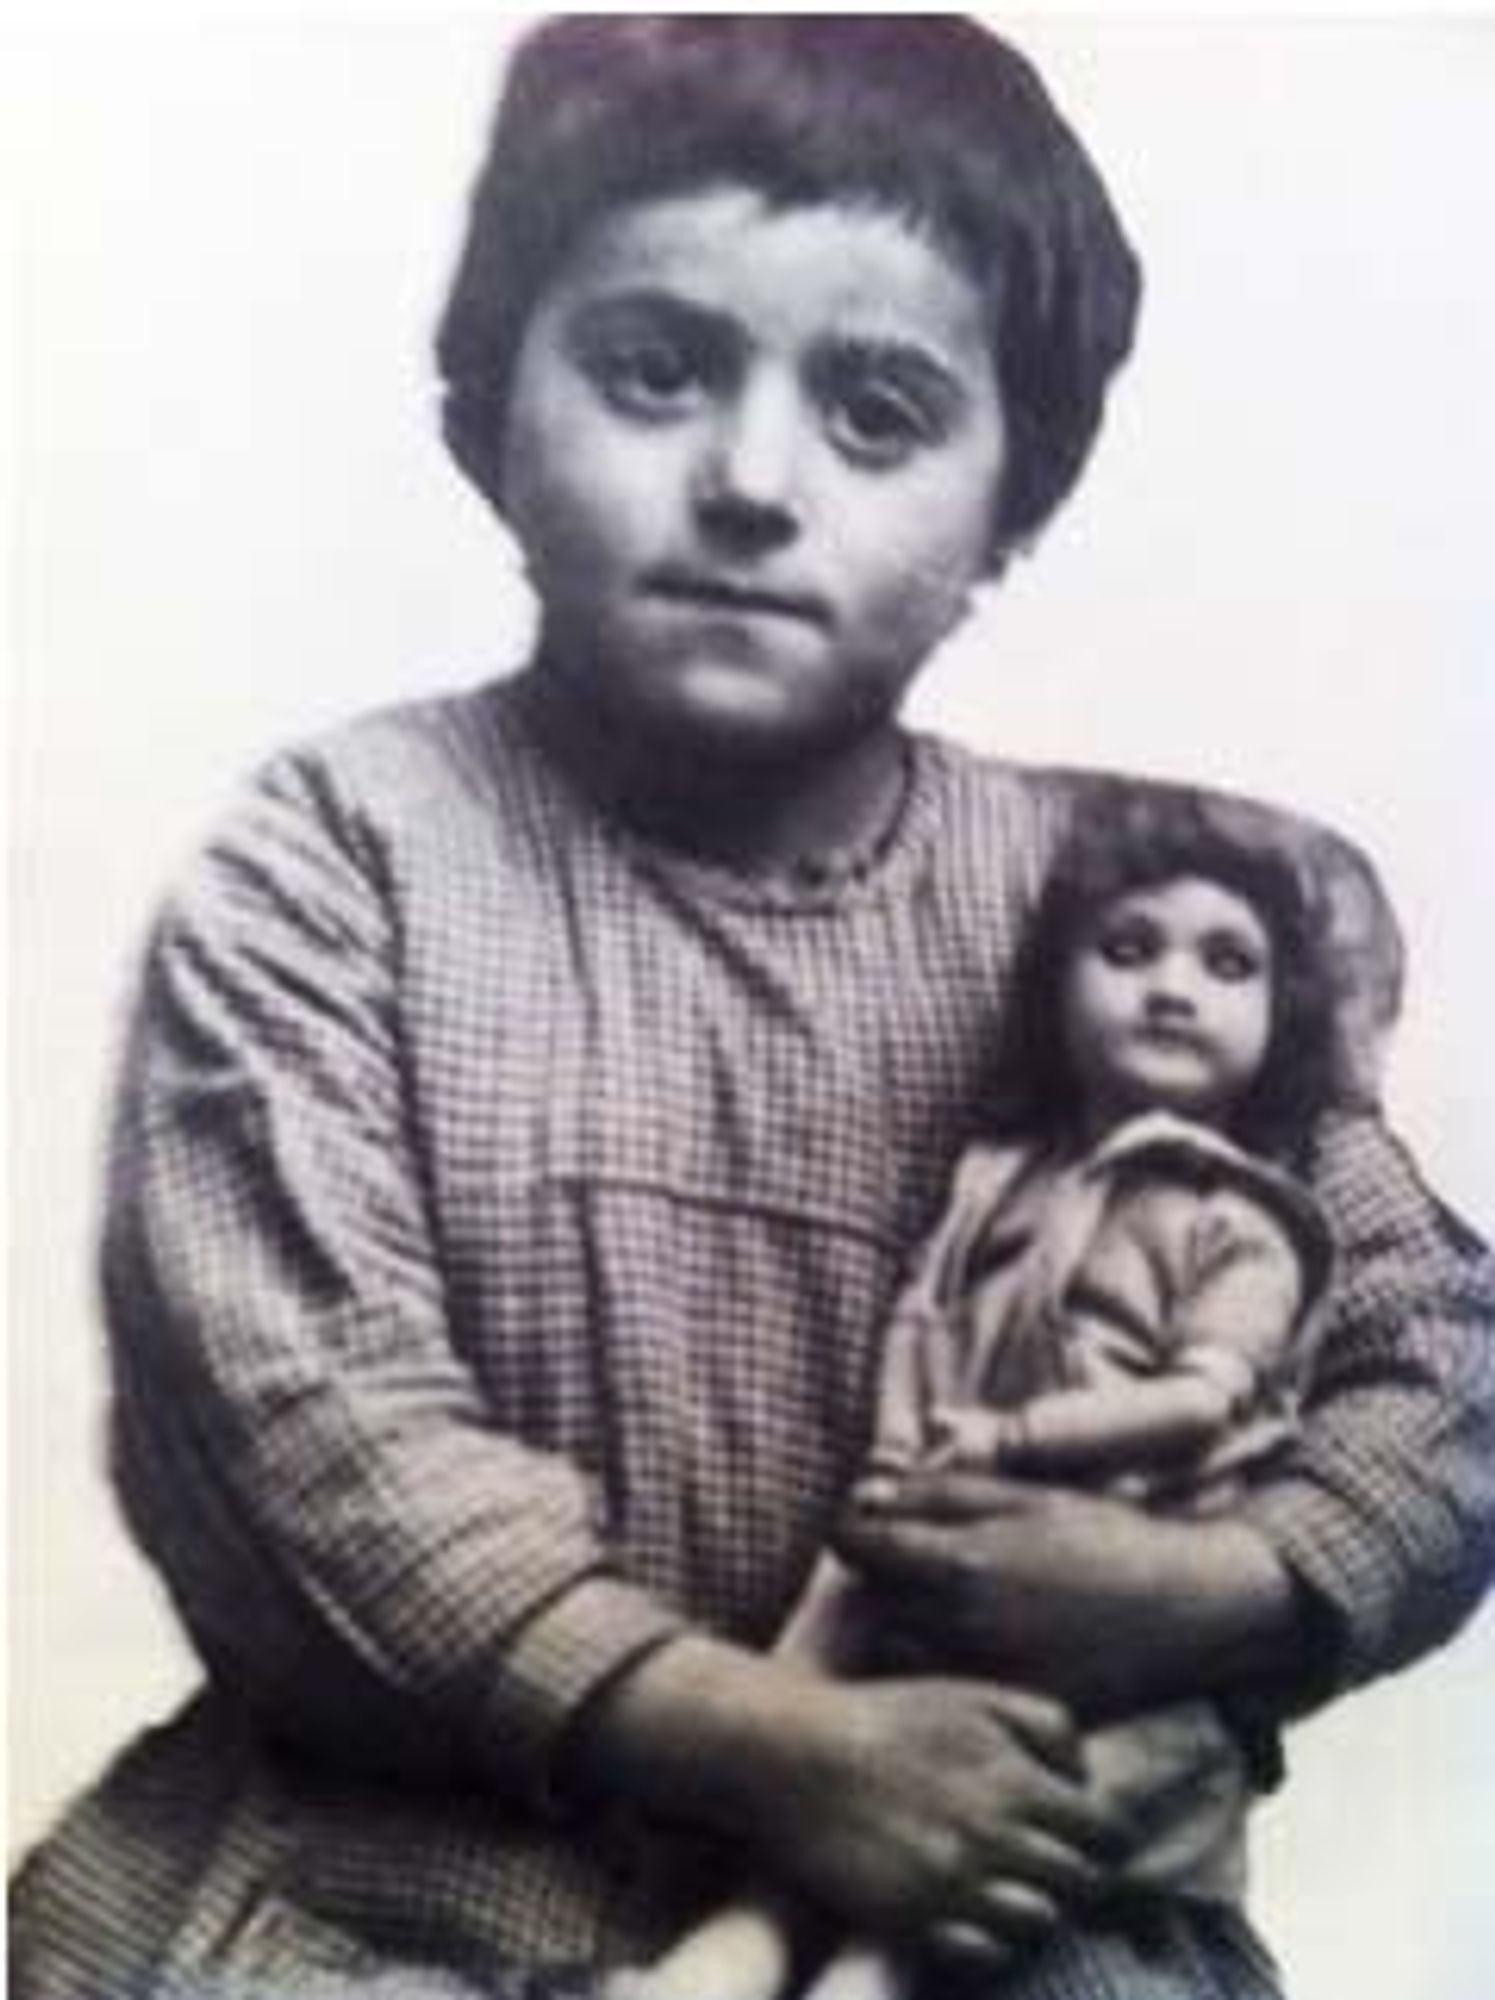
column 828, row 814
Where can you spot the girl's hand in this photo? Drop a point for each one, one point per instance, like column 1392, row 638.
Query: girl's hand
column 1020, row 1580
column 944, row 1813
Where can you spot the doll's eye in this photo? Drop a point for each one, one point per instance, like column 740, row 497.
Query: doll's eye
column 1232, row 959
column 1128, row 944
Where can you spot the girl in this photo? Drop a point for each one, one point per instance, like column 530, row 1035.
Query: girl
column 1125, row 1285
column 533, row 1095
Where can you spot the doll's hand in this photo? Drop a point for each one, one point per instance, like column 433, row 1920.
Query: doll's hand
column 973, row 1438
column 1103, row 1605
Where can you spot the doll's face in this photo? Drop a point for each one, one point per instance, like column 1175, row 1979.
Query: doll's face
column 752, row 455
column 1167, row 1001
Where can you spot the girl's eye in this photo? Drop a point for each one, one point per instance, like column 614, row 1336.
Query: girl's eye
column 879, row 424
column 654, row 377
column 1127, row 945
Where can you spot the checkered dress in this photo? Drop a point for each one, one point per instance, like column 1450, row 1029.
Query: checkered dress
column 502, row 1214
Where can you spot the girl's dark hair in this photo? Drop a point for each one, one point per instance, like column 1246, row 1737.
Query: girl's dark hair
column 929, row 116
column 1124, row 838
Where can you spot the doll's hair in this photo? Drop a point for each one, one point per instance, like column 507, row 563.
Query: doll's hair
column 1125, row 838
column 930, row 117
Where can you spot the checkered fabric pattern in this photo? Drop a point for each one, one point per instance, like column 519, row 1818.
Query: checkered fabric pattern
column 502, row 1215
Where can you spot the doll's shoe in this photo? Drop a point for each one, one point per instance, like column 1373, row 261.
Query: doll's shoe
column 741, row 1953
column 860, row 1971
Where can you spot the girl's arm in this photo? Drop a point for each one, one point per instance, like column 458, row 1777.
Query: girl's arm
column 1384, row 1513
column 356, row 1544
column 362, row 1552
column 917, row 1808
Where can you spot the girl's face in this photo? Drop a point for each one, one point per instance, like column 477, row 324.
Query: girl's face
column 1167, row 1001
column 752, row 456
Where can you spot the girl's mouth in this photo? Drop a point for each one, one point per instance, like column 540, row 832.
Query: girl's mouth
column 702, row 591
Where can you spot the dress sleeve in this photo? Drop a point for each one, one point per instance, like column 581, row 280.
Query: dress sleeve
column 355, row 1545
column 925, row 1357
column 1244, row 1295
column 1385, row 1508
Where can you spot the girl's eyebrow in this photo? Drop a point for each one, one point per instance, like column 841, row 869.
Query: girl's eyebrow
column 911, row 364
column 914, row 364
column 650, row 302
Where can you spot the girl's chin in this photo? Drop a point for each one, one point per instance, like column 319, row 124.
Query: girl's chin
column 733, row 718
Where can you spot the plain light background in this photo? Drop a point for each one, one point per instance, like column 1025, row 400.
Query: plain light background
column 232, row 524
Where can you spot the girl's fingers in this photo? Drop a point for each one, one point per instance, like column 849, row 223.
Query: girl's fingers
column 1096, row 1829
column 1043, row 1726
column 967, row 1945
column 1052, row 1866
column 1018, row 1913
column 947, row 1495
column 898, row 1550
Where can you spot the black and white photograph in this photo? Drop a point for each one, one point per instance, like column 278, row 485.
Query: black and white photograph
column 752, row 1127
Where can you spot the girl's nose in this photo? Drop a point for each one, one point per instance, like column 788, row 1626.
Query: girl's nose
column 747, row 478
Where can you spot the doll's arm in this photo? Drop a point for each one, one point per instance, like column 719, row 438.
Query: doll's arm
column 1091, row 1433
column 1235, row 1291
column 1232, row 1289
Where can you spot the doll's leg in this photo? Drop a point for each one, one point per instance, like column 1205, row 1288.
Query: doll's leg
column 830, row 1624
column 860, row 1970
column 1180, row 1779
column 743, row 1951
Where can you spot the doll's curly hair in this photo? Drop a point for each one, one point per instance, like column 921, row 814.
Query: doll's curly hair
column 1125, row 837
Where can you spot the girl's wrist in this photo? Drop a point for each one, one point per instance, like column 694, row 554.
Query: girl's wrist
column 697, row 1731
